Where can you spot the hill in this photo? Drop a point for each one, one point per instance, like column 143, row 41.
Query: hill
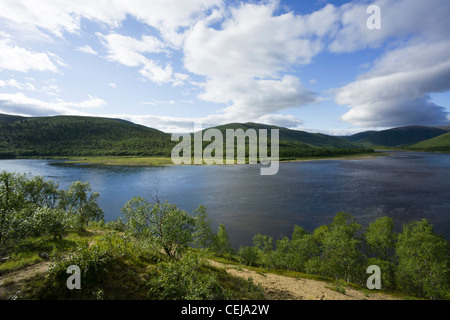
column 94, row 136
column 439, row 143
column 294, row 136
column 297, row 144
column 79, row 136
column 4, row 118
column 395, row 137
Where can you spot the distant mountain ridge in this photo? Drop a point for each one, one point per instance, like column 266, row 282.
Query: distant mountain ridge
column 395, row 137
column 294, row 136
column 96, row 136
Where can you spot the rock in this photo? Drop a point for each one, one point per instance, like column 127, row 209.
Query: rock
column 44, row 255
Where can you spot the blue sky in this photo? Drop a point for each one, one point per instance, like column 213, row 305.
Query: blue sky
column 307, row 65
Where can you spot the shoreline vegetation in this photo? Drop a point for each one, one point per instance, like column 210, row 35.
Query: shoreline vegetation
column 167, row 161
column 161, row 252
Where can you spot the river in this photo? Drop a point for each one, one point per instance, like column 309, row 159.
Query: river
column 404, row 186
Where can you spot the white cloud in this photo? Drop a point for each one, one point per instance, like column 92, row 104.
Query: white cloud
column 401, row 18
column 12, row 83
column 16, row 58
column 253, row 42
column 87, row 49
column 19, row 103
column 244, row 60
column 396, row 90
column 287, row 121
column 64, row 16
column 132, row 53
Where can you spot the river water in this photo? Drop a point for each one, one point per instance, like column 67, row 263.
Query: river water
column 404, row 186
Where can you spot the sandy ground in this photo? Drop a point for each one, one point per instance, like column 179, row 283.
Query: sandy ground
column 277, row 287
column 12, row 283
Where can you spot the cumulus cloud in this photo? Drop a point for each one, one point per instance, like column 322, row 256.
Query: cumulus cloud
column 245, row 57
column 396, row 90
column 13, row 57
column 132, row 52
column 402, row 18
column 19, row 103
column 59, row 17
column 245, row 60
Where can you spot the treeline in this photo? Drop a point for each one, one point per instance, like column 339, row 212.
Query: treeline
column 414, row 261
column 144, row 254
column 80, row 136
column 34, row 207
column 76, row 136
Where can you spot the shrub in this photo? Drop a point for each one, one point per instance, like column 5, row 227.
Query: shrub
column 184, row 279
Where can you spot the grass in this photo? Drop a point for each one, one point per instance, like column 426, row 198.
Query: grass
column 130, row 273
column 122, row 161
column 117, row 267
column 164, row 161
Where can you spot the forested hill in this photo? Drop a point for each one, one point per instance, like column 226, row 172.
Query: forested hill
column 395, row 137
column 95, row 136
column 78, row 136
column 288, row 136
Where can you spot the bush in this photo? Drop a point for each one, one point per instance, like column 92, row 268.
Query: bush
column 423, row 261
column 248, row 255
column 184, row 279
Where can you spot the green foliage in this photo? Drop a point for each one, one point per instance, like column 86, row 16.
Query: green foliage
column 341, row 257
column 302, row 250
column 105, row 272
column 94, row 136
column 338, row 286
column 80, row 136
column 22, row 210
column 423, row 261
column 395, row 136
column 439, row 143
column 221, row 242
column 79, row 201
column 387, row 270
column 203, row 235
column 171, row 227
column 248, row 255
column 380, row 238
column 185, row 279
column 34, row 207
column 116, row 225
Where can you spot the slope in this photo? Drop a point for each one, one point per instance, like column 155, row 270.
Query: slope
column 80, row 136
column 439, row 143
column 395, row 136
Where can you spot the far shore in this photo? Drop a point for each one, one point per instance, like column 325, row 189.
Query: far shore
column 167, row 161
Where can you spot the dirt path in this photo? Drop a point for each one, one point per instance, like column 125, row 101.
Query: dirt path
column 12, row 283
column 278, row 287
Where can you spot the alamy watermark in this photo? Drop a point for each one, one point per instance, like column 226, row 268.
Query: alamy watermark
column 236, row 139
column 374, row 281
column 74, row 281
column 374, row 20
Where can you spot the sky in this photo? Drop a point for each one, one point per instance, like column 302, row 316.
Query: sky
column 309, row 65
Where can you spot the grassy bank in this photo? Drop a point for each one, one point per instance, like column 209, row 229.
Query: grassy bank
column 163, row 161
